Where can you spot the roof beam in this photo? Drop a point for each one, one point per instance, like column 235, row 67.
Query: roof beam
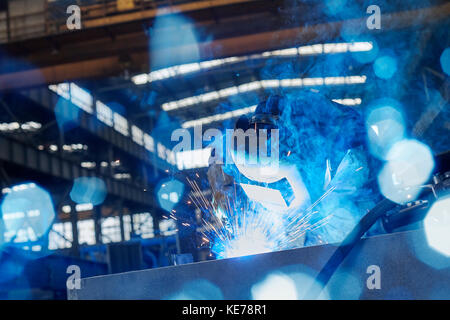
column 232, row 46
column 152, row 13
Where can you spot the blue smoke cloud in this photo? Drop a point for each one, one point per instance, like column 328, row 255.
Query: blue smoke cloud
column 318, row 136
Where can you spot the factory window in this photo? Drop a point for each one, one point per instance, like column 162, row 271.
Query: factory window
column 149, row 143
column 127, row 226
column 121, row 124
column 20, row 235
column 86, row 232
column 60, row 236
column 170, row 156
column 104, row 113
column 122, row 176
column 111, row 230
column 81, row 98
column 84, row 207
column 193, row 158
column 168, row 227
column 161, row 151
column 29, row 126
column 143, row 225
column 315, row 49
column 137, row 135
column 62, row 89
column 219, row 117
column 266, row 84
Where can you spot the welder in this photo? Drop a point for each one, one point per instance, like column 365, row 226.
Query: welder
column 326, row 144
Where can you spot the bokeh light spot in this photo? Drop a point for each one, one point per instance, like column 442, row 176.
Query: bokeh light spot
column 88, row 190
column 334, row 7
column 409, row 165
column 437, row 226
column 200, row 289
column 280, row 285
column 445, row 61
column 367, row 56
column 27, row 212
column 169, row 194
column 276, row 286
column 66, row 114
column 344, row 286
column 385, row 127
column 172, row 30
column 425, row 253
column 385, row 67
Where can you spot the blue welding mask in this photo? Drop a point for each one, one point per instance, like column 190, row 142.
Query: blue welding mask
column 315, row 135
column 265, row 119
column 273, row 186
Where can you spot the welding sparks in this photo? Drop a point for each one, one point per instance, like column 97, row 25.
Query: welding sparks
column 245, row 228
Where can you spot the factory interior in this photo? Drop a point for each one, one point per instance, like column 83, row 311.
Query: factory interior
column 224, row 150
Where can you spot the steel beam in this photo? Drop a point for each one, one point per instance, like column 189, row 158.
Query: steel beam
column 231, row 46
column 152, row 13
column 75, row 237
column 48, row 99
column 19, row 153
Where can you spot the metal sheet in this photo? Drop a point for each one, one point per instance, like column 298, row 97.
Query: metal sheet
column 403, row 274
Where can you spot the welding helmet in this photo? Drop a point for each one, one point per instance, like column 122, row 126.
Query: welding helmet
column 265, row 117
column 267, row 113
column 268, row 180
column 223, row 177
column 264, row 124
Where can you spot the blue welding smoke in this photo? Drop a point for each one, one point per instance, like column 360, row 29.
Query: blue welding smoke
column 332, row 166
column 337, row 147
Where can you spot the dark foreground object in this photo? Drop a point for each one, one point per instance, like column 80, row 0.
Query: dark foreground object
column 408, row 269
